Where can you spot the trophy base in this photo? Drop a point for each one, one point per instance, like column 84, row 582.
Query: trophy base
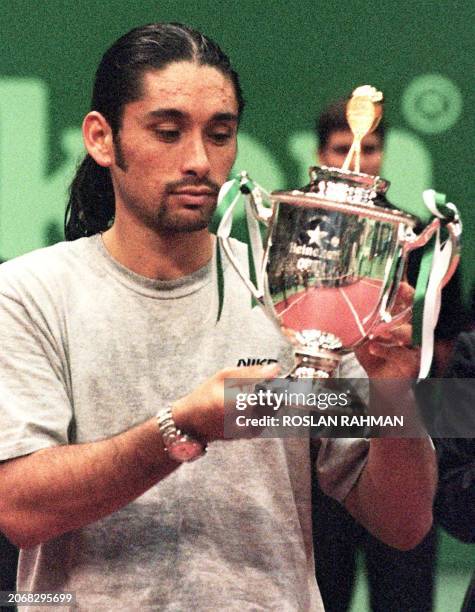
column 320, row 364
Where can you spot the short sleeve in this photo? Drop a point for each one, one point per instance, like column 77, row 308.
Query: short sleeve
column 339, row 464
column 340, row 461
column 35, row 410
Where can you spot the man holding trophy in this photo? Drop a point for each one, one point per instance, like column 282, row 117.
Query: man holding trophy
column 117, row 480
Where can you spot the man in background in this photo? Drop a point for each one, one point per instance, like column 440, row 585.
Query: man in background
column 398, row 580
column 335, row 139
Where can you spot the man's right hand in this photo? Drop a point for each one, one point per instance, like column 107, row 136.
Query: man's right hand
column 58, row 489
column 202, row 412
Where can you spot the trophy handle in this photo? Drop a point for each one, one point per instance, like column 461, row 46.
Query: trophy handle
column 261, row 213
column 255, row 212
column 454, row 229
column 448, row 257
column 434, row 273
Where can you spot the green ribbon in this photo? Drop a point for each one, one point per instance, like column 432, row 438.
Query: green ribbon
column 421, row 288
column 220, row 280
column 239, row 231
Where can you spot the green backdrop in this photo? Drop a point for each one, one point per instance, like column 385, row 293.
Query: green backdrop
column 293, row 57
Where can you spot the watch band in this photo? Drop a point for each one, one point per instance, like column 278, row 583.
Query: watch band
column 180, row 446
column 167, row 426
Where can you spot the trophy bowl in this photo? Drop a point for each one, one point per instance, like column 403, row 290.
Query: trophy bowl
column 333, row 256
column 334, row 276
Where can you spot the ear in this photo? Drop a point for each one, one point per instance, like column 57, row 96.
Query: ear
column 97, row 136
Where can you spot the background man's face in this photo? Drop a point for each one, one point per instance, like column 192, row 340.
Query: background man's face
column 176, row 147
column 338, row 145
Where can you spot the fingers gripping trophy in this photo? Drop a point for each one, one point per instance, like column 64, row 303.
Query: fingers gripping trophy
column 334, row 253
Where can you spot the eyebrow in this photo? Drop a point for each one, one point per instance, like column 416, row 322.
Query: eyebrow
column 173, row 113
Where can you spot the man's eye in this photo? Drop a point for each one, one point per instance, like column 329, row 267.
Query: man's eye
column 168, row 135
column 221, row 137
column 343, row 150
column 369, row 149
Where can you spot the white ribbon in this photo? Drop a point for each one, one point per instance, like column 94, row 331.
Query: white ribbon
column 440, row 265
column 225, row 227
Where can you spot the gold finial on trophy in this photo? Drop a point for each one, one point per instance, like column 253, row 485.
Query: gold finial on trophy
column 363, row 113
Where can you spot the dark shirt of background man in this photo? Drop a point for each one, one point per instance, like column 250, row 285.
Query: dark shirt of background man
column 8, row 567
column 454, row 507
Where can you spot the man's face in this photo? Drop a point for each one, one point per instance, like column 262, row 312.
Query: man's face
column 338, row 145
column 175, row 149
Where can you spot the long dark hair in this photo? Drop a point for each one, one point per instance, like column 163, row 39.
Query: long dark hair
column 118, row 81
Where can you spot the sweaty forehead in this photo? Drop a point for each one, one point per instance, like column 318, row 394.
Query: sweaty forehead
column 184, row 83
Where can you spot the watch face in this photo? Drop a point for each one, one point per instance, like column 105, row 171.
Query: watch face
column 185, row 450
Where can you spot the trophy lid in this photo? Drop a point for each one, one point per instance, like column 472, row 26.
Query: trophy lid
column 346, row 191
column 351, row 192
column 375, row 185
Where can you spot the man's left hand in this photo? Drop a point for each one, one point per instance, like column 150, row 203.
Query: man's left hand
column 389, row 352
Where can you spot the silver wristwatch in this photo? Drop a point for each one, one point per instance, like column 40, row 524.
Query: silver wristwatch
column 180, row 446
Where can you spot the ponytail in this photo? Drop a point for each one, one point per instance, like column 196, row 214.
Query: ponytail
column 91, row 207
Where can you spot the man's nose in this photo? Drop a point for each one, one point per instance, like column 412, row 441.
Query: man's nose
column 196, row 160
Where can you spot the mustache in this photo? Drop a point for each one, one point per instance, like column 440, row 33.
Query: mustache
column 192, row 182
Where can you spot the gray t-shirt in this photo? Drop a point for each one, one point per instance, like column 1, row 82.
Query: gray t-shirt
column 90, row 349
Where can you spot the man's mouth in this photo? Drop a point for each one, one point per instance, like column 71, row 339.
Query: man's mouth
column 195, row 196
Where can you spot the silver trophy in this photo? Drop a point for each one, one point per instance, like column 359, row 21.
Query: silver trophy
column 333, row 255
